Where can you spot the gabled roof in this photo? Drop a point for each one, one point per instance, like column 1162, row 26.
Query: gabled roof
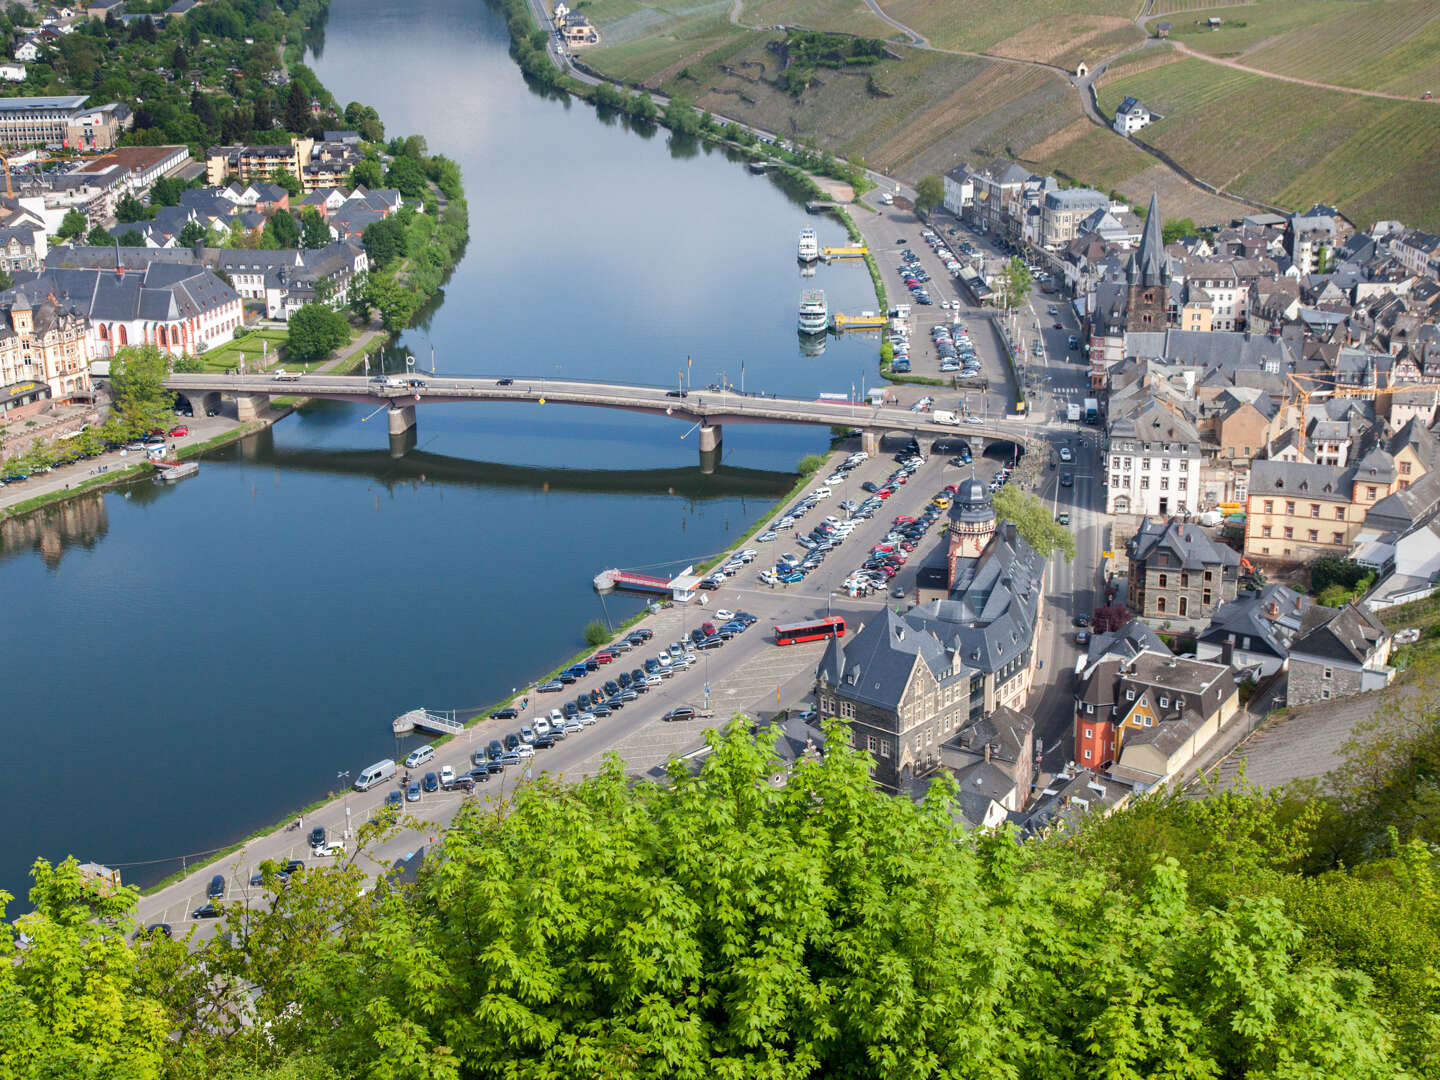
column 1186, row 546
column 1402, row 510
column 1347, row 634
column 1324, row 483
column 1126, row 643
column 1270, row 618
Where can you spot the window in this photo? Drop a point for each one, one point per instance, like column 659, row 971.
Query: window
column 1115, row 463
column 1266, row 549
column 1129, row 695
column 1314, row 509
column 1329, row 673
column 1404, row 468
column 1184, row 482
column 1160, row 580
column 1339, row 538
column 1313, row 535
column 1289, row 533
column 1164, row 703
column 1160, row 604
column 1184, row 605
column 1370, row 493
column 1089, row 708
column 1269, row 506
column 885, row 748
column 1289, row 506
column 1087, row 755
column 870, row 743
column 1339, row 513
column 1164, row 483
column 1089, row 733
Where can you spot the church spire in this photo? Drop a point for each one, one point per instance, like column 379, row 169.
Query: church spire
column 1151, row 263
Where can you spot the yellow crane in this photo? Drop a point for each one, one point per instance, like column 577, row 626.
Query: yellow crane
column 1323, row 385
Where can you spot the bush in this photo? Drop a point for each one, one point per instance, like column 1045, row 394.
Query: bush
column 810, row 464
column 1331, row 570
column 596, row 633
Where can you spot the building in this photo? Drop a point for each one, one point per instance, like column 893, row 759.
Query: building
column 133, row 168
column 972, row 524
column 1062, row 212
column 61, row 122
column 1146, row 716
column 1178, row 572
column 1131, row 116
column 960, row 191
column 286, row 280
column 1312, row 242
column 993, row 760
column 175, row 304
column 1147, row 301
column 1297, row 512
column 1254, row 631
column 12, row 72
column 1338, row 652
column 1154, row 463
column 907, row 683
column 247, row 163
column 43, row 343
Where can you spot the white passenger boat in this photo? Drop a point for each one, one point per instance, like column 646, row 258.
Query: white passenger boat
column 809, row 249
column 814, row 315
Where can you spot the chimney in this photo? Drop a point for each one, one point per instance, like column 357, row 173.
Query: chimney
column 987, row 752
column 1227, row 653
column 1272, row 609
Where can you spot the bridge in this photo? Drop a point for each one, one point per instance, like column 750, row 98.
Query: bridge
column 707, row 410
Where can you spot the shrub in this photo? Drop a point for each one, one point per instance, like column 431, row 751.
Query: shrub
column 596, row 632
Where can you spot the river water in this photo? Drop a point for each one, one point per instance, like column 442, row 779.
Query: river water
column 186, row 665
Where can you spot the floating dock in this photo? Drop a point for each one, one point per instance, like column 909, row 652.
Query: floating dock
column 167, row 472
column 860, row 322
column 831, row 253
column 610, row 580
column 817, row 206
column 423, row 720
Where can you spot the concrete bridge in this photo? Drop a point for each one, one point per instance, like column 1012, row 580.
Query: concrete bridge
column 708, row 410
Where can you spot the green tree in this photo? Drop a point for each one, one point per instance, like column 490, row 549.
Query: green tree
column 406, row 175
column 929, row 193
column 69, row 998
column 1177, row 228
column 297, row 108
column 1015, row 282
column 99, row 237
column 1034, row 522
column 131, row 238
column 314, row 233
column 368, row 173
column 130, row 209
column 281, row 231
column 365, row 121
column 284, row 178
column 137, row 388
column 74, row 225
column 194, row 233
column 316, row 330
column 1329, row 570
column 167, row 191
column 395, row 301
column 596, row 633
column 680, row 116
column 384, row 242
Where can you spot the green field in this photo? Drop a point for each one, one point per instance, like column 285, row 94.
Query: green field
column 251, row 347
column 1292, row 145
column 977, row 25
column 836, row 16
column 1244, row 26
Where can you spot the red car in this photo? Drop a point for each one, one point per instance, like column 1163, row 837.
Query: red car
column 179, row 431
column 603, row 657
column 904, row 519
column 953, row 489
column 901, row 479
column 882, row 549
column 885, row 492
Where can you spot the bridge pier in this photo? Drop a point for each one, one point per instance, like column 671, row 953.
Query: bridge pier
column 403, row 443
column 710, row 437
column 402, row 418
column 870, row 442
column 250, row 406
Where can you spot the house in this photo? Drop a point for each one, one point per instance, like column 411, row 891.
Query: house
column 12, row 72
column 1337, row 653
column 1254, row 631
column 960, row 191
column 1062, row 211
column 1312, row 242
column 1413, row 568
column 28, row 50
column 1131, row 116
column 247, row 163
column 578, row 32
column 1145, row 718
column 1071, row 795
column 42, row 342
column 1296, row 511
column 61, row 121
column 993, row 760
column 909, row 682
column 1177, row 571
column 1154, row 459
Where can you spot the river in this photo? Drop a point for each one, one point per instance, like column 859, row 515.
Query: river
column 186, row 665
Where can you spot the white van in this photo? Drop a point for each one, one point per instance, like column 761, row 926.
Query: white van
column 540, row 726
column 375, row 774
column 944, row 417
column 821, row 493
column 419, row 756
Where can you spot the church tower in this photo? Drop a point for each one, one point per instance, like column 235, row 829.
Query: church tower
column 972, row 523
column 1149, row 278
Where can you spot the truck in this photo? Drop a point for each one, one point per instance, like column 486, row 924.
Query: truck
column 1072, row 413
column 942, row 417
column 1092, row 410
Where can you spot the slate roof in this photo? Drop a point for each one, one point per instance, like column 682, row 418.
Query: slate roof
column 165, row 290
column 1150, row 267
column 1188, row 546
column 1324, row 483
column 1402, row 510
column 1270, row 618
column 1347, row 634
column 1129, row 641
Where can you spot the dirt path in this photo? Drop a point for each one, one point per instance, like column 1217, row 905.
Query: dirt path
column 1187, row 51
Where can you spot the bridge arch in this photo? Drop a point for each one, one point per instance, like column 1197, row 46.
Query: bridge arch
column 200, row 402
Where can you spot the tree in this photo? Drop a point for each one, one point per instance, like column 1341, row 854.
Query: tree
column 137, row 388
column 384, row 242
column 366, row 122
column 73, row 226
column 70, row 999
column 596, row 633
column 1330, row 570
column 99, row 237
column 283, row 177
column 406, row 175
column 282, row 231
column 929, row 193
column 1176, row 229
column 131, row 238
column 1034, row 522
column 194, row 233
column 130, row 209
column 167, row 191
column 180, row 60
column 368, row 173
column 1015, row 282
column 297, row 108
column 314, row 232
column 316, row 330
column 395, row 301
column 680, row 117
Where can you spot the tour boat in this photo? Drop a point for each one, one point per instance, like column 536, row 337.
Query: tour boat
column 809, row 249
column 814, row 315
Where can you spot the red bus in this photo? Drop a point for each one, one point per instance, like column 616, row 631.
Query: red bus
column 790, row 633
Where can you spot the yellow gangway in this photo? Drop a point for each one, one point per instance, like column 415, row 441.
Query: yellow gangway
column 860, row 322
column 843, row 252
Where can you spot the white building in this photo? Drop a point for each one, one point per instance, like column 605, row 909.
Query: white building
column 1131, row 116
column 1154, row 463
column 12, row 72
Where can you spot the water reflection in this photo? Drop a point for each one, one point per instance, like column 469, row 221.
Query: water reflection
column 50, row 531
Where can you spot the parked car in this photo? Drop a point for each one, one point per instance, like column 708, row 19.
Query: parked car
column 684, row 712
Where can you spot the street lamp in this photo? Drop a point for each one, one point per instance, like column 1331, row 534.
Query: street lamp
column 342, row 777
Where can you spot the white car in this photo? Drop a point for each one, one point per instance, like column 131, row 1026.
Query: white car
column 767, row 536
column 328, row 850
column 835, row 478
column 587, row 719
column 972, row 419
column 724, row 613
column 524, row 750
column 1065, row 454
column 447, row 776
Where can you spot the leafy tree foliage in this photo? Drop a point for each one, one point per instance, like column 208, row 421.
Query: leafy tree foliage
column 284, row 178
column 131, row 238
column 1015, row 282
column 1330, row 570
column 384, row 242
column 281, row 231
column 1177, row 229
column 137, row 378
column 929, row 193
column 98, row 237
column 369, row 173
column 408, row 176
column 130, row 209
column 1033, row 521
column 366, row 121
column 74, row 225
column 316, row 330
column 193, row 233
column 167, row 191
column 314, row 233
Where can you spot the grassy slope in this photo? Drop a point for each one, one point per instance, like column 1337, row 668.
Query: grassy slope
column 1245, row 26
column 1293, row 145
column 837, row 16
column 976, row 25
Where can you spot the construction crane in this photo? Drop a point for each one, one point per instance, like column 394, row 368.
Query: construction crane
column 9, row 188
column 1324, row 386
